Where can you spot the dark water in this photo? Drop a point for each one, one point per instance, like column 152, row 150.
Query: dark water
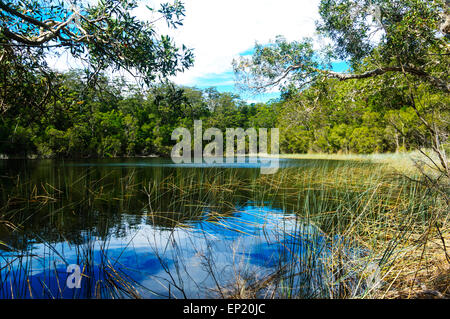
column 151, row 228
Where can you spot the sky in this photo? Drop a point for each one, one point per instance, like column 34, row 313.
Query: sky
column 220, row 30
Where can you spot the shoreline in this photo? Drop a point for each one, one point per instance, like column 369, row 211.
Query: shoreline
column 403, row 162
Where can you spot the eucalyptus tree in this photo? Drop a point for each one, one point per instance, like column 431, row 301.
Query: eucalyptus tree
column 105, row 34
column 403, row 42
column 396, row 36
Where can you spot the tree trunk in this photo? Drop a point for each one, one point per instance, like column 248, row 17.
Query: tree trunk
column 445, row 26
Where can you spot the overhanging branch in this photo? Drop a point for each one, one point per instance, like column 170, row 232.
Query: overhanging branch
column 439, row 83
column 24, row 17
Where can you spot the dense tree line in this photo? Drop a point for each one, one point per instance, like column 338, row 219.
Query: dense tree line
column 394, row 97
column 113, row 118
column 362, row 117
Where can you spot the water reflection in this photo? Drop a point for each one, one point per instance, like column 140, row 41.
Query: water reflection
column 255, row 239
column 150, row 229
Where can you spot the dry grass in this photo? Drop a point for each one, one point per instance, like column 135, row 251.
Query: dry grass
column 424, row 273
column 387, row 214
column 401, row 162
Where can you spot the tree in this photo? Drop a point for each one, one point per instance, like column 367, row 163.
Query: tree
column 397, row 36
column 105, row 35
column 402, row 41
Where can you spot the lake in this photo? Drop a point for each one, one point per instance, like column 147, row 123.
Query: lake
column 148, row 228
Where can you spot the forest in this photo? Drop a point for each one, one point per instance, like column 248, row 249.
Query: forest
column 87, row 113
column 92, row 206
column 115, row 119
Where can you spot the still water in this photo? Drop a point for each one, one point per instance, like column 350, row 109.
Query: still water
column 153, row 229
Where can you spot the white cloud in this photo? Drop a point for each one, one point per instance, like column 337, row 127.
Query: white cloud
column 219, row 30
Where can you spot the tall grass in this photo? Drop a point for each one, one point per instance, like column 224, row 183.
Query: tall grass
column 348, row 229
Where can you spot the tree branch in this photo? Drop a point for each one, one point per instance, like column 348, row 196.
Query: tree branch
column 47, row 36
column 23, row 17
column 441, row 84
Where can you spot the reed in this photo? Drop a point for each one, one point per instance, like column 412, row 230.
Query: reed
column 355, row 229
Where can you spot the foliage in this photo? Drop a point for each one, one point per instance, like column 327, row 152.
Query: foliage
column 377, row 36
column 105, row 35
column 116, row 119
column 395, row 99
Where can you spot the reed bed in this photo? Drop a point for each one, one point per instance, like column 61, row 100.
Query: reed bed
column 379, row 229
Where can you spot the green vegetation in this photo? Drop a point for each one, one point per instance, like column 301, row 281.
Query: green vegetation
column 393, row 99
column 106, row 37
column 114, row 119
column 104, row 122
column 345, row 203
column 86, row 114
column 397, row 84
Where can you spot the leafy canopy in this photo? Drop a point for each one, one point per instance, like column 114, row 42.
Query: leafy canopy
column 106, row 35
column 391, row 36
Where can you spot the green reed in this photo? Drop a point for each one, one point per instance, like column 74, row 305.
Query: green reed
column 368, row 205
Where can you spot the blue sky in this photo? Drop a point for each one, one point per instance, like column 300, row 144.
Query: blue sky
column 224, row 82
column 220, row 31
